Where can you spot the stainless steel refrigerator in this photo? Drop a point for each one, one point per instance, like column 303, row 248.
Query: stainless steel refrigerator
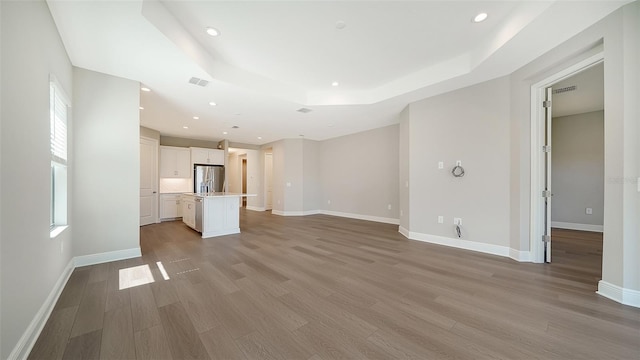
column 208, row 178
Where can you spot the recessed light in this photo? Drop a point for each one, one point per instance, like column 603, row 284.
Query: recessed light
column 224, row 133
column 335, row 83
column 141, row 108
column 212, row 103
column 196, row 117
column 480, row 17
column 213, row 32
column 259, row 137
column 145, row 89
column 341, row 25
column 185, row 127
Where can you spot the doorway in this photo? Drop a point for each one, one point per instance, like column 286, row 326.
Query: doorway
column 550, row 193
column 268, row 181
column 244, row 181
column 148, row 181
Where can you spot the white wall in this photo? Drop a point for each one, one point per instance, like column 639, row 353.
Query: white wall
column 471, row 125
column 312, row 189
column 293, row 176
column 359, row 174
column 31, row 262
column 577, row 176
column 404, row 159
column 106, row 171
column 620, row 35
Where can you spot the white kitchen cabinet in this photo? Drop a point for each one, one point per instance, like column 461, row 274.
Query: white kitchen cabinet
column 189, row 211
column 207, row 156
column 170, row 206
column 175, row 162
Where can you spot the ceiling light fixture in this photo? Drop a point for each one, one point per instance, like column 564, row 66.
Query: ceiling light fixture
column 141, row 108
column 480, row 17
column 224, row 133
column 196, row 117
column 259, row 137
column 213, row 32
column 145, row 89
column 335, row 83
column 212, row 103
column 185, row 127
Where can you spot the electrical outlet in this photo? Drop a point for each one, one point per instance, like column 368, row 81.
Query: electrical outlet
column 389, row 207
column 589, row 211
column 440, row 219
column 457, row 221
column 328, row 202
column 288, row 184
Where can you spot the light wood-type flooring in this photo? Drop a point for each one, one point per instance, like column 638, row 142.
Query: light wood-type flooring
column 322, row 287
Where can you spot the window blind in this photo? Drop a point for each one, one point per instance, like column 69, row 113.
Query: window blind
column 58, row 127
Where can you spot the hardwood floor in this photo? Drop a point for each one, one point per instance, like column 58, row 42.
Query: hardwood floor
column 321, row 287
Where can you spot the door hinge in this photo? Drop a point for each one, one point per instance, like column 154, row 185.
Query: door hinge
column 546, row 238
column 546, row 148
column 546, row 104
column 546, row 193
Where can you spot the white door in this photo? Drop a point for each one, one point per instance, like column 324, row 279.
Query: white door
column 547, row 178
column 268, row 181
column 148, row 181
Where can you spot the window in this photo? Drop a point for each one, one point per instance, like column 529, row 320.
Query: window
column 58, row 110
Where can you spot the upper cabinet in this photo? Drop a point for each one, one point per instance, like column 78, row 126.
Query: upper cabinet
column 174, row 162
column 207, row 156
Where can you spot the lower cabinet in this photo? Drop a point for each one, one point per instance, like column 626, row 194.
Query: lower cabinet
column 170, row 206
column 189, row 211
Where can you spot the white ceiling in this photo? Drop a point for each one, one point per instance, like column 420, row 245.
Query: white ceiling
column 273, row 58
column 588, row 95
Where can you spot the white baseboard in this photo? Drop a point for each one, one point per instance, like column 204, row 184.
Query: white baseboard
column 255, row 208
column 574, row 226
column 520, row 256
column 403, row 231
column 361, row 217
column 31, row 334
column 100, row 258
column 619, row 294
column 459, row 243
column 295, row 213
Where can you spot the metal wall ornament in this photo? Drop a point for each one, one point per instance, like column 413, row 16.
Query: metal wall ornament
column 457, row 171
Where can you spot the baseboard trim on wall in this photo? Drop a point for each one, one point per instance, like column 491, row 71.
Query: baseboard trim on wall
column 361, row 217
column 460, row 243
column 574, row 226
column 403, row 231
column 104, row 257
column 520, row 256
column 619, row 294
column 294, row 213
column 31, row 334
column 255, row 208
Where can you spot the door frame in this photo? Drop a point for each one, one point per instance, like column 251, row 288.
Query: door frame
column 537, row 209
column 156, row 208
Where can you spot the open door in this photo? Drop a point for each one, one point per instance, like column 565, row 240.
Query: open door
column 546, row 193
column 148, row 181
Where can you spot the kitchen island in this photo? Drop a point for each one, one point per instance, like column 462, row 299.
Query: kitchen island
column 212, row 214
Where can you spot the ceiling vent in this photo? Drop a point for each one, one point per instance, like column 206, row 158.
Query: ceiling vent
column 304, row 110
column 199, row 82
column 564, row 89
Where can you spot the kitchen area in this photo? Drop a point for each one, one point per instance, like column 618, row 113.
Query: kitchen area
column 193, row 189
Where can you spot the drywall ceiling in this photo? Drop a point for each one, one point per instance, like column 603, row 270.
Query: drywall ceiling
column 274, row 58
column 588, row 95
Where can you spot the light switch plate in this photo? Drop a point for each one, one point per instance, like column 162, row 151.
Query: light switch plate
column 440, row 219
column 440, row 164
column 457, row 221
column 589, row 211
